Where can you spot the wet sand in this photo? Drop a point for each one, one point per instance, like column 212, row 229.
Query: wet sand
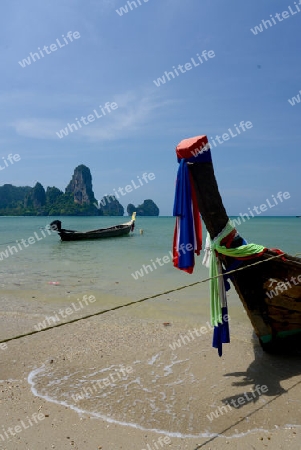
column 130, row 378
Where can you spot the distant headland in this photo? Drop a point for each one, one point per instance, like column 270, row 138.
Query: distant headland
column 77, row 200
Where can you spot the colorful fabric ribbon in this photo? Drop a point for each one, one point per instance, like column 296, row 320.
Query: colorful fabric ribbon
column 188, row 229
column 188, row 237
column 216, row 292
column 218, row 300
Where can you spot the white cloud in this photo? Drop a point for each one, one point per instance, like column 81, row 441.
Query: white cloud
column 36, row 128
column 133, row 114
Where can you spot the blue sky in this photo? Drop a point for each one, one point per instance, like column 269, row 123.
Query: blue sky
column 116, row 59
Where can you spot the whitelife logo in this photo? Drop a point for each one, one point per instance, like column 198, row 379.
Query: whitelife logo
column 185, row 339
column 270, row 23
column 128, row 189
column 161, row 441
column 124, row 9
column 11, row 250
column 52, row 320
column 11, row 158
column 220, row 139
column 23, row 425
column 98, row 385
column 183, row 68
column 109, row 106
column 259, row 390
column 33, row 57
column 244, row 126
column 3, row 346
column 282, row 286
column 144, row 270
column 295, row 100
column 262, row 208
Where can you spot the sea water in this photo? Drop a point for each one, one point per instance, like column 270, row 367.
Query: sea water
column 112, row 265
column 38, row 279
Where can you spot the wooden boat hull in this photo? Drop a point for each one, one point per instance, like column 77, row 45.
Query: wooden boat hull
column 273, row 317
column 273, row 314
column 102, row 233
column 119, row 230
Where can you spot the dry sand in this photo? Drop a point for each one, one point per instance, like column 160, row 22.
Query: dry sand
column 165, row 393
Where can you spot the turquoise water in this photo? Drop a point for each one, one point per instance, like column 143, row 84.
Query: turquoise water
column 106, row 266
column 166, row 383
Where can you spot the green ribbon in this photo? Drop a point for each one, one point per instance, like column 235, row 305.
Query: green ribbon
column 238, row 252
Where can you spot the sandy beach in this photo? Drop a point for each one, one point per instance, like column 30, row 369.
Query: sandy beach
column 147, row 377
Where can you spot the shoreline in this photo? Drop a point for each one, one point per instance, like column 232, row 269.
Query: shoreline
column 59, row 363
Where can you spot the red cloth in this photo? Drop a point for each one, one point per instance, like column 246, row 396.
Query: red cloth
column 275, row 250
column 188, row 147
column 227, row 241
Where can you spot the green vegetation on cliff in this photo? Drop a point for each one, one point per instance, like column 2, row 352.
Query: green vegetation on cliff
column 148, row 208
column 78, row 200
column 110, row 206
column 12, row 199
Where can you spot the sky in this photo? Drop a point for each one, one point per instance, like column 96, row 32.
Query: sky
column 114, row 59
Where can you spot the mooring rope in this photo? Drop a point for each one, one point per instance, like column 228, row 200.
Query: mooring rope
column 145, row 298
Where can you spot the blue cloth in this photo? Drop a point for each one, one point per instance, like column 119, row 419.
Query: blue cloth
column 187, row 233
column 221, row 333
column 182, row 209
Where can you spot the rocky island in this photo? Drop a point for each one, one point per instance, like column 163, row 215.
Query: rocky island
column 77, row 200
column 147, row 208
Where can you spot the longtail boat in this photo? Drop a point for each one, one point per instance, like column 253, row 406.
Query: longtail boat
column 115, row 231
column 271, row 290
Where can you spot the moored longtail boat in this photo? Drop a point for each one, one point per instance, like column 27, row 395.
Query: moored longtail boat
column 270, row 291
column 101, row 233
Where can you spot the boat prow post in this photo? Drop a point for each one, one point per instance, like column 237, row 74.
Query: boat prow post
column 276, row 319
